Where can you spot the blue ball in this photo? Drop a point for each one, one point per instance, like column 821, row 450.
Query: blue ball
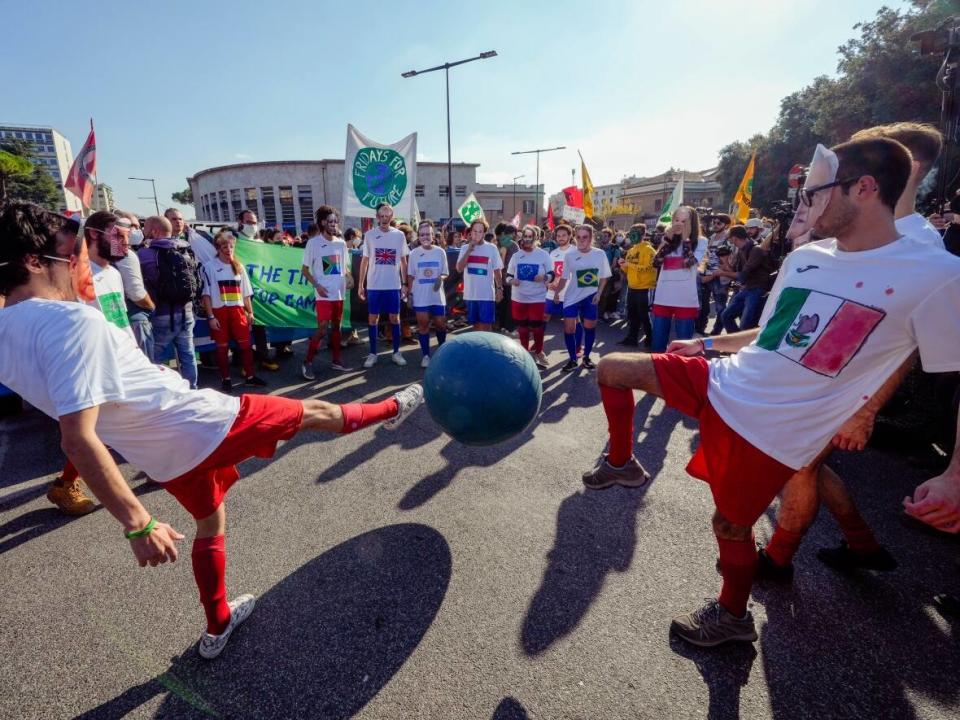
column 482, row 388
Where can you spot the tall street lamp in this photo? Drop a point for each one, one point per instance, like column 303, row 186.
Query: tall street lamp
column 515, row 193
column 152, row 182
column 538, row 151
column 446, row 70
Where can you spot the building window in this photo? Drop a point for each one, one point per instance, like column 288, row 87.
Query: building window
column 287, row 216
column 269, row 206
column 460, row 190
column 204, row 203
column 251, row 199
column 419, row 191
column 657, row 205
column 224, row 206
column 235, row 202
column 444, row 191
column 305, row 198
column 528, row 207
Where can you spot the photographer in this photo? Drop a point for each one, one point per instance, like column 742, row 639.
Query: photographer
column 712, row 285
column 676, row 302
column 753, row 274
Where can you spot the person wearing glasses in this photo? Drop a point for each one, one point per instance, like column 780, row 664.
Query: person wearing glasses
column 752, row 272
column 842, row 317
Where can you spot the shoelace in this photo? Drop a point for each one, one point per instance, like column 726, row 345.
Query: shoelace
column 710, row 605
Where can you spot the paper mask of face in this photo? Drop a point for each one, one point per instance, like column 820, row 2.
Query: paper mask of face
column 81, row 276
column 823, row 170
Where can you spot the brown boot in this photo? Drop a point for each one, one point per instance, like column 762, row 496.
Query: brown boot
column 70, row 498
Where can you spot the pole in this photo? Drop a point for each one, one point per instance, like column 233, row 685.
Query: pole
column 514, row 197
column 155, row 203
column 446, row 71
column 536, row 210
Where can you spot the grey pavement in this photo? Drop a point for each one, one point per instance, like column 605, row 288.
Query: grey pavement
column 402, row 575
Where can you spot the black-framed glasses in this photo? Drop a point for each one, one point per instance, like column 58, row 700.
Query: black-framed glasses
column 806, row 194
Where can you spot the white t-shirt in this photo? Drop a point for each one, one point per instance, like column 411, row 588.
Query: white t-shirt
column 329, row 263
column 131, row 276
column 425, row 266
column 225, row 287
column 583, row 272
column 108, row 286
column 478, row 282
column 677, row 284
column 77, row 360
column 916, row 226
column 525, row 266
column 384, row 250
column 836, row 326
column 557, row 258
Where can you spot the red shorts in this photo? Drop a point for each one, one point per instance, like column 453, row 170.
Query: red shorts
column 263, row 421
column 531, row 312
column 329, row 311
column 743, row 479
column 234, row 325
column 680, row 313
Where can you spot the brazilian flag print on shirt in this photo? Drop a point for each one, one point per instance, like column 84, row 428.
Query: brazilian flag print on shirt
column 588, row 277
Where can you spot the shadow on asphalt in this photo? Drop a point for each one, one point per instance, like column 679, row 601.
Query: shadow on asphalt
column 596, row 534
column 510, row 709
column 321, row 643
column 725, row 670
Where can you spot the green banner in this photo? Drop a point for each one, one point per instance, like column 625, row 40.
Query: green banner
column 282, row 297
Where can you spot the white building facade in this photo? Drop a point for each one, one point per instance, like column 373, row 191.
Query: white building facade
column 52, row 152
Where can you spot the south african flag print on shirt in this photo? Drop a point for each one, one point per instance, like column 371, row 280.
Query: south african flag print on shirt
column 331, row 265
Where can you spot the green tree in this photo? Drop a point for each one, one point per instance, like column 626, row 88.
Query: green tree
column 12, row 167
column 184, row 197
column 35, row 185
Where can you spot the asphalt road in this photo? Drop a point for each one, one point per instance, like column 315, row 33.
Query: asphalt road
column 402, row 575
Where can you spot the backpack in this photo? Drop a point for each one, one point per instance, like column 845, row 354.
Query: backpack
column 178, row 276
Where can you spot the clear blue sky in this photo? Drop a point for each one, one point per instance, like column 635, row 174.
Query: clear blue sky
column 175, row 87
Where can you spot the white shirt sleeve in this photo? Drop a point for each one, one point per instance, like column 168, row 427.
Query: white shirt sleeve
column 497, row 260
column 404, row 248
column 208, row 283
column 445, row 267
column 308, row 253
column 935, row 327
column 365, row 247
column 246, row 289
column 604, row 266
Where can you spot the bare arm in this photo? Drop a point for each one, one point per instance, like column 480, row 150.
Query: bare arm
column 937, row 501
column 100, row 472
column 362, row 281
column 724, row 343
column 599, row 293
column 465, row 258
column 145, row 302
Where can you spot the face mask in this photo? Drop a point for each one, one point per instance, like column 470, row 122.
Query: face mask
column 249, row 230
column 136, row 238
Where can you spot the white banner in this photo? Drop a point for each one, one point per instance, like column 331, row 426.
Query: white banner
column 574, row 215
column 374, row 173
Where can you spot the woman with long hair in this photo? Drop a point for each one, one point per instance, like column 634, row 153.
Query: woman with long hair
column 676, row 302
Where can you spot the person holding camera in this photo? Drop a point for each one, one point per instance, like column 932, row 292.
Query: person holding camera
column 677, row 303
column 752, row 273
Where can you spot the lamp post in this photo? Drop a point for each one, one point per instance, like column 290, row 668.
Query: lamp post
column 152, row 182
column 515, row 193
column 446, row 70
column 538, row 151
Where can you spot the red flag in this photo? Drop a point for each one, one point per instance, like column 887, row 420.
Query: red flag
column 550, row 223
column 574, row 196
column 80, row 180
column 516, row 220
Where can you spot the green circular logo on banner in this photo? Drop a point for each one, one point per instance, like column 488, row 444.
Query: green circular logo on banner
column 379, row 175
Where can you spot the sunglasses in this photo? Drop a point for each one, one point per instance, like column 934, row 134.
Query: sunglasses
column 806, row 194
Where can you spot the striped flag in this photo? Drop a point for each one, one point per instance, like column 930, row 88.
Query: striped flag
column 819, row 331
column 80, row 179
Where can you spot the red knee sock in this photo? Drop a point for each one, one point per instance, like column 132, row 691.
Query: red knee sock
column 738, row 562
column 618, row 405
column 209, row 563
column 538, row 339
column 859, row 536
column 524, row 332
column 357, row 416
column 335, row 344
column 783, row 545
column 312, row 348
column 246, row 357
column 223, row 361
column 69, row 474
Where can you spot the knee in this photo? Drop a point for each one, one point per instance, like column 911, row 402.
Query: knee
column 726, row 530
column 214, row 524
column 610, row 368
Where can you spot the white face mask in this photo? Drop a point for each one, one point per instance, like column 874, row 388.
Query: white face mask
column 249, row 230
column 136, row 238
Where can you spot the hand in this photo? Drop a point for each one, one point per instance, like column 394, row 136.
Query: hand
column 855, row 432
column 515, row 282
column 321, row 290
column 539, row 278
column 349, row 282
column 556, row 297
column 687, row 348
column 361, row 293
column 437, row 285
column 156, row 547
column 249, row 314
column 403, row 292
column 213, row 323
column 937, row 502
column 499, row 294
column 596, row 299
column 938, row 221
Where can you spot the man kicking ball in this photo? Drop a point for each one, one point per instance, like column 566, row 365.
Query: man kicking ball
column 842, row 316
column 66, row 360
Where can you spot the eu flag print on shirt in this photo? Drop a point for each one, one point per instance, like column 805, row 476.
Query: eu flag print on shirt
column 385, row 256
column 527, row 271
column 477, row 265
column 331, row 265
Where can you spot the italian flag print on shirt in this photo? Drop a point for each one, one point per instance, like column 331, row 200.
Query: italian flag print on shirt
column 819, row 331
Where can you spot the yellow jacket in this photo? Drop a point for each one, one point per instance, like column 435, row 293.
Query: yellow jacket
column 641, row 275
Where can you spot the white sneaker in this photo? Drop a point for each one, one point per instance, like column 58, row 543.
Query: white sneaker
column 307, row 371
column 408, row 400
column 212, row 645
column 370, row 361
column 339, row 367
column 398, row 359
column 425, row 362
column 540, row 359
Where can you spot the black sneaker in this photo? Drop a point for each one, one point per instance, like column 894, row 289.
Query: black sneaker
column 767, row 569
column 947, row 605
column 628, row 342
column 570, row 366
column 587, row 363
column 226, row 385
column 254, row 380
column 844, row 559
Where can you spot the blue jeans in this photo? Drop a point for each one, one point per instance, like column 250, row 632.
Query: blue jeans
column 143, row 332
column 661, row 331
column 747, row 305
column 180, row 333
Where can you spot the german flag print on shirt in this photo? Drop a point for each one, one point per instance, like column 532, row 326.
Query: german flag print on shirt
column 230, row 293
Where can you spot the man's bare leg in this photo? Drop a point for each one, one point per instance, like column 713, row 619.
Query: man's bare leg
column 860, row 548
column 799, row 503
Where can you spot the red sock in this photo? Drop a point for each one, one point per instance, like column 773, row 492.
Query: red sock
column 223, row 361
column 312, row 348
column 69, row 474
column 357, row 416
column 335, row 344
column 246, row 357
column 618, row 405
column 859, row 536
column 209, row 562
column 524, row 332
column 538, row 339
column 783, row 545
column 738, row 562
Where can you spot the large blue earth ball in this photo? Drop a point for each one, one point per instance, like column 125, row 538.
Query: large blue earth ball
column 482, row 388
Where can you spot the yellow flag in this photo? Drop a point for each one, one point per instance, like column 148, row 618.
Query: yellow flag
column 587, row 189
column 741, row 201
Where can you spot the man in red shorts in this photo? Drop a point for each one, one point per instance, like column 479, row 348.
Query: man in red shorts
column 66, row 360
column 842, row 316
